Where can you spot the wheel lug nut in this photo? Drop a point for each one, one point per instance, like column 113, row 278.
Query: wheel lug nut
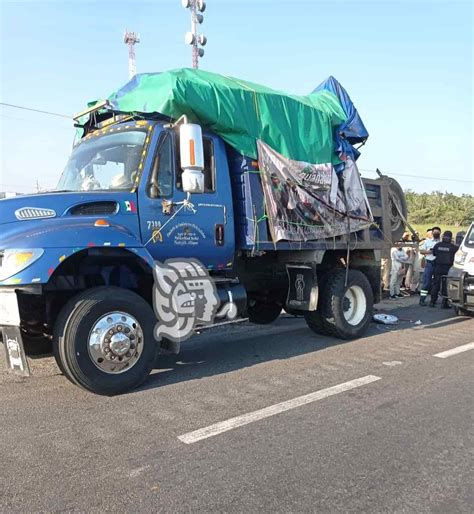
column 126, row 330
column 128, row 354
column 119, row 328
column 111, row 332
column 112, row 357
column 132, row 347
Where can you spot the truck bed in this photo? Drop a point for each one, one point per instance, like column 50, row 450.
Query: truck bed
column 252, row 231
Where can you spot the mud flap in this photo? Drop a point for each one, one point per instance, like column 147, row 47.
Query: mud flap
column 303, row 287
column 15, row 352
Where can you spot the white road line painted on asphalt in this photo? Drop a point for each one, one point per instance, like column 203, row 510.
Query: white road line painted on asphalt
column 454, row 351
column 392, row 363
column 250, row 417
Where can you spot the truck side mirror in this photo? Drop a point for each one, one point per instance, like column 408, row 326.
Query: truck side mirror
column 153, row 191
column 192, row 158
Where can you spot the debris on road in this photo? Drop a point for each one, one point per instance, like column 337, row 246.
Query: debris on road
column 385, row 319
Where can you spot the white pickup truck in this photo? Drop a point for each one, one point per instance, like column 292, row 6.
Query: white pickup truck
column 460, row 279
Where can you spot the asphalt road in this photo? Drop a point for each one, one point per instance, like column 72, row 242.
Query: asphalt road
column 289, row 427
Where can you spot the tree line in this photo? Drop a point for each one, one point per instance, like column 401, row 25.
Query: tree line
column 440, row 207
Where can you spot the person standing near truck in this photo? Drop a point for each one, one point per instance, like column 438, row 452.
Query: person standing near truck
column 399, row 258
column 417, row 271
column 426, row 249
column 408, row 249
column 444, row 254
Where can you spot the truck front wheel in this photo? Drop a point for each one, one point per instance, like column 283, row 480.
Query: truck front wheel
column 104, row 340
column 345, row 308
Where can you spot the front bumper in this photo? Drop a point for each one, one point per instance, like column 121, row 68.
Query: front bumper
column 460, row 289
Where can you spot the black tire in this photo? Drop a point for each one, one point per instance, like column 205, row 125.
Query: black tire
column 315, row 323
column 263, row 313
column 397, row 197
column 72, row 331
column 334, row 304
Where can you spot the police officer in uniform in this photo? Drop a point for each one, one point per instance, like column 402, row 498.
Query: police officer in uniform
column 444, row 253
column 426, row 249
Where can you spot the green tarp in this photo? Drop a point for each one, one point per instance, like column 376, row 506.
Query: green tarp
column 299, row 127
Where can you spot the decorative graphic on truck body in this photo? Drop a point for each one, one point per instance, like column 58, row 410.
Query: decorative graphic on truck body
column 184, row 296
column 305, row 202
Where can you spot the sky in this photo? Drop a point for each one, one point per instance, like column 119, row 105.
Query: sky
column 407, row 66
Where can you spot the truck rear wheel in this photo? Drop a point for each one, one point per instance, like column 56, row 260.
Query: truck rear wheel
column 345, row 310
column 264, row 312
column 104, row 340
column 315, row 323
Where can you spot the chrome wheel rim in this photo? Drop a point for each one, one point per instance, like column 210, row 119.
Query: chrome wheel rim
column 115, row 342
column 355, row 305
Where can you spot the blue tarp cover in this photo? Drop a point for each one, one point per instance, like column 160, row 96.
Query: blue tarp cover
column 350, row 132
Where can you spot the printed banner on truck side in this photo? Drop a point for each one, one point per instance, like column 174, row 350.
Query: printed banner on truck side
column 304, row 201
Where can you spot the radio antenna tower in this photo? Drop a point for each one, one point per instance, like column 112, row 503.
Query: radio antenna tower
column 130, row 39
column 196, row 7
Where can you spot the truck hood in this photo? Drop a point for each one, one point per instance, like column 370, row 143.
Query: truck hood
column 59, row 204
column 60, row 219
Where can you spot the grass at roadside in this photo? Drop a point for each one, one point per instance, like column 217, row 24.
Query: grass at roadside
column 421, row 229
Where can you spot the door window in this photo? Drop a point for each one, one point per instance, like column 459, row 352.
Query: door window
column 163, row 167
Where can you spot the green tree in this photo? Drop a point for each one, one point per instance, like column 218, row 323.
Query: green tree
column 440, row 207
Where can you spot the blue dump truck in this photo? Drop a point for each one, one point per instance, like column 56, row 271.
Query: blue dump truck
column 192, row 200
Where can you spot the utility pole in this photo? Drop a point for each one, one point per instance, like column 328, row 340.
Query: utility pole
column 131, row 39
column 196, row 8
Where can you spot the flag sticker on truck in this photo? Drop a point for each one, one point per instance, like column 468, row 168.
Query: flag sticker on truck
column 130, row 206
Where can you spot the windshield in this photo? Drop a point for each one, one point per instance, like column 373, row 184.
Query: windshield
column 107, row 162
column 469, row 240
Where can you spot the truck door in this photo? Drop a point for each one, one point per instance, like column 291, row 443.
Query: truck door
column 174, row 226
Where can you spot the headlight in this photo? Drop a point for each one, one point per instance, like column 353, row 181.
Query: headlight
column 15, row 260
column 460, row 257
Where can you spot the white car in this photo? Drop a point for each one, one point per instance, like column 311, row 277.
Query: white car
column 460, row 279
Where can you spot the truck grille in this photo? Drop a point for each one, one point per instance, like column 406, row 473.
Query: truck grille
column 34, row 213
